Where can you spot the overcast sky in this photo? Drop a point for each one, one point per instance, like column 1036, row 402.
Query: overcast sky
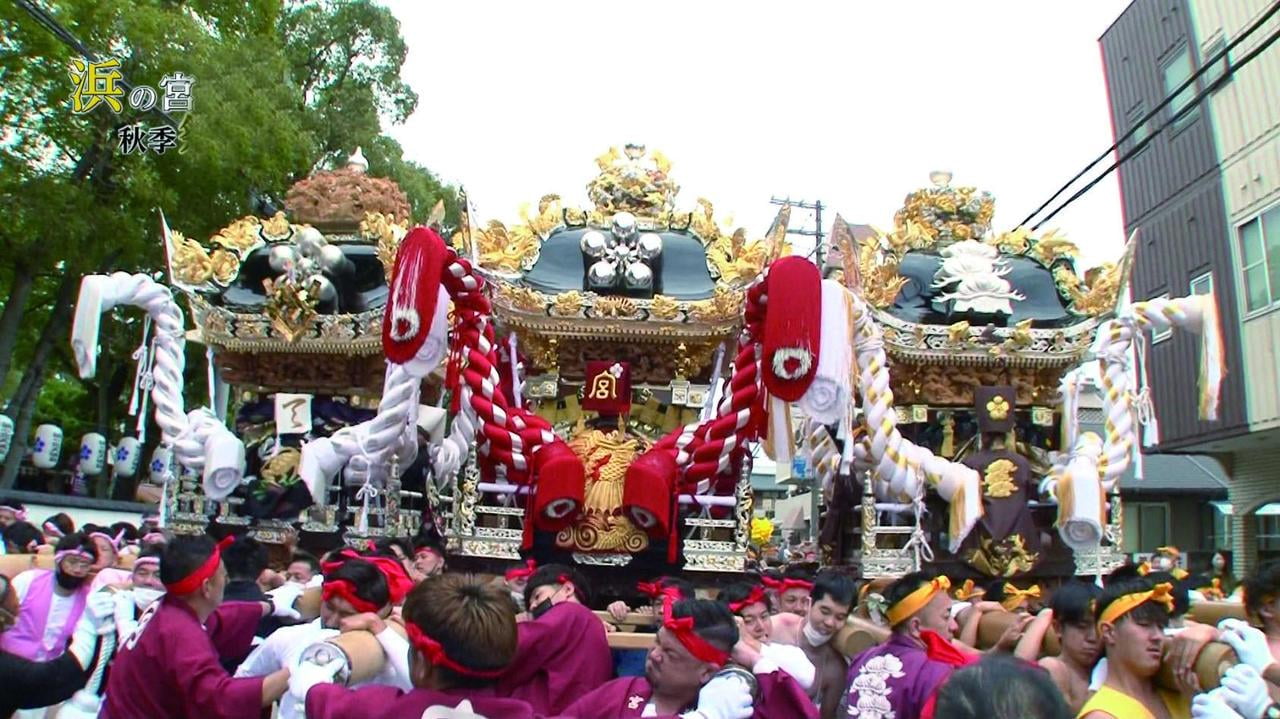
column 853, row 103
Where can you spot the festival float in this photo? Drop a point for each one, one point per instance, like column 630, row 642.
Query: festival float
column 588, row 385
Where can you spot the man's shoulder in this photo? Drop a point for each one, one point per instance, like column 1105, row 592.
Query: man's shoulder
column 26, row 577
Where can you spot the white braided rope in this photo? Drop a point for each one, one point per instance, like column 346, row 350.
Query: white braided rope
column 199, row 439
column 898, row 461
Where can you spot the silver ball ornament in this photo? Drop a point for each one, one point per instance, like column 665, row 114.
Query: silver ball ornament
column 593, row 243
column 332, row 259
column 282, row 257
column 323, row 288
column 305, row 266
column 310, row 242
column 624, row 225
column 602, row 274
column 638, row 276
column 649, row 246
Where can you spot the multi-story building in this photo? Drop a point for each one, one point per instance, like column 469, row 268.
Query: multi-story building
column 1202, row 194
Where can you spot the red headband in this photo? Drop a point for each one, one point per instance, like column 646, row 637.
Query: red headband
column 435, row 654
column 683, row 630
column 652, row 590
column 782, row 585
column 756, row 596
column 344, row 589
column 398, row 582
column 523, row 572
column 429, row 550
column 192, row 581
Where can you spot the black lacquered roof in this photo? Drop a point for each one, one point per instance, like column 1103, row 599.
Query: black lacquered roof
column 917, row 300
column 680, row 272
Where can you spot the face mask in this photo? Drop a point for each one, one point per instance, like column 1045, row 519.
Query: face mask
column 144, row 597
column 541, row 608
column 68, row 582
column 815, row 637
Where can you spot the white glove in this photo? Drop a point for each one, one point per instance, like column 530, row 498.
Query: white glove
column 1212, row 706
column 100, row 606
column 724, row 697
column 84, row 640
column 1249, row 643
column 1244, row 689
column 83, row 705
column 282, row 599
column 306, row 675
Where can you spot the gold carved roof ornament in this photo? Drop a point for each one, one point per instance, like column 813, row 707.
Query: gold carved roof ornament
column 386, row 233
column 635, row 181
column 1100, row 291
column 948, row 214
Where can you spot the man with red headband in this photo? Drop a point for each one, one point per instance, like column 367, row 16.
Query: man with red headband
column 352, row 586
column 898, row 678
column 755, row 648
column 692, row 646
column 51, row 601
column 516, row 579
column 169, row 667
column 462, row 635
column 562, row 651
column 792, row 590
column 828, row 605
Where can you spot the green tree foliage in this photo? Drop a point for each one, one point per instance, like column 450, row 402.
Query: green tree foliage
column 281, row 88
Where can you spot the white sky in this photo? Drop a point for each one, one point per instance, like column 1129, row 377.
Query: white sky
column 853, row 103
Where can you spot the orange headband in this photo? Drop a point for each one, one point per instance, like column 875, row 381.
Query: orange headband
column 968, row 590
column 916, row 600
column 1128, row 602
column 1014, row 597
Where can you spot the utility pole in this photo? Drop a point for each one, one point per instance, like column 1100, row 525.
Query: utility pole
column 819, row 248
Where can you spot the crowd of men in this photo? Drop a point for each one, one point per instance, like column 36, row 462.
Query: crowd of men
column 136, row 623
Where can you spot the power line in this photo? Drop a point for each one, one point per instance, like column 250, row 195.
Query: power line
column 815, row 233
column 1204, row 66
column 1193, row 105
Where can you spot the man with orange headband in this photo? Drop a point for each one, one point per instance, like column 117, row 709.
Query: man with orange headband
column 692, row 646
column 169, row 667
column 352, row 586
column 899, row 677
column 462, row 635
column 562, row 652
column 1132, row 615
column 831, row 599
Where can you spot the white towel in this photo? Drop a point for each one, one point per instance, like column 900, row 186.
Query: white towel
column 827, row 399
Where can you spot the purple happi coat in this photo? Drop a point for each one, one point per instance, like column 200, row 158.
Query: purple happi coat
column 561, row 656
column 894, row 679
column 780, row 698
column 330, row 701
column 169, row 667
column 26, row 638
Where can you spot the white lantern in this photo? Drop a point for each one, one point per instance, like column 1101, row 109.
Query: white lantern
column 162, row 465
column 127, row 457
column 47, row 447
column 6, row 435
column 93, row 454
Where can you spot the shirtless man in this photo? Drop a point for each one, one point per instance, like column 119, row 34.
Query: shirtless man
column 1070, row 615
column 830, row 602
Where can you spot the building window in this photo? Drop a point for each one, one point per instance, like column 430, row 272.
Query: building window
column 1177, row 71
column 1260, row 259
column 1146, row 526
column 1202, row 284
column 1214, row 72
column 1140, row 129
column 1268, row 532
column 1159, row 335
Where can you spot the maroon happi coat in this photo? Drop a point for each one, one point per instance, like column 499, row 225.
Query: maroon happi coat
column 625, row 698
column 330, row 701
column 561, row 656
column 169, row 668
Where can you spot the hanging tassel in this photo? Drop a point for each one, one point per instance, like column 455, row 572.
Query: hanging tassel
column 365, row 495
column 828, row 397
column 780, row 437
column 1211, row 369
column 1070, row 391
column 140, row 356
column 517, row 387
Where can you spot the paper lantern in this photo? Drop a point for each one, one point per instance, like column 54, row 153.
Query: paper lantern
column 93, row 454
column 162, row 465
column 47, row 447
column 128, row 454
column 6, row 436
